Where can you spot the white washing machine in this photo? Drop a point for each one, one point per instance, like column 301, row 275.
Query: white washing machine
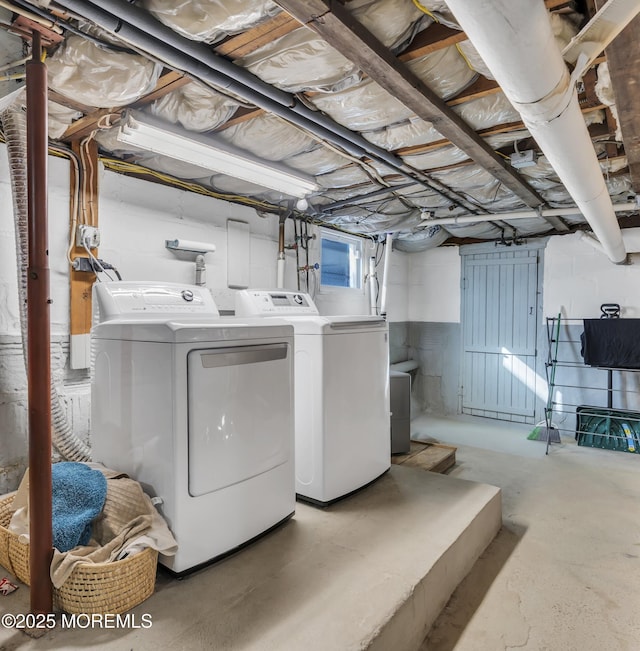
column 198, row 410
column 341, row 393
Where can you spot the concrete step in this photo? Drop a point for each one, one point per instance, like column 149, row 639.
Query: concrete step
column 370, row 572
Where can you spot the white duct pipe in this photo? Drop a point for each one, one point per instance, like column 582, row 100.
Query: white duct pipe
column 515, row 40
column 385, row 271
column 591, row 241
column 631, row 238
column 372, row 279
column 523, row 214
column 280, row 272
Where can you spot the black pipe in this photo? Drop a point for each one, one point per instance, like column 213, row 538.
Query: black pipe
column 330, row 207
column 198, row 60
column 38, row 336
column 69, row 27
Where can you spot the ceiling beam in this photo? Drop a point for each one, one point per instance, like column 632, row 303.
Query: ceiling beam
column 623, row 55
column 341, row 30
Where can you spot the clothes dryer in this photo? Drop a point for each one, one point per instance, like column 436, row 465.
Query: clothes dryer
column 342, row 417
column 198, row 410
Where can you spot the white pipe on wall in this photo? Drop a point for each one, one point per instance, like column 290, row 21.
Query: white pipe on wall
column 372, row 280
column 515, row 40
column 280, row 272
column 385, row 277
column 523, row 214
column 631, row 238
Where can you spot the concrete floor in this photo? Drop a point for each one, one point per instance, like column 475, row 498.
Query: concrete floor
column 563, row 574
column 372, row 571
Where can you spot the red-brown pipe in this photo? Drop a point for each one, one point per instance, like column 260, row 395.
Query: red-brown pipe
column 38, row 340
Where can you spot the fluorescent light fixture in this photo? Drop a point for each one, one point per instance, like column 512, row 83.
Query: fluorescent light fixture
column 166, row 139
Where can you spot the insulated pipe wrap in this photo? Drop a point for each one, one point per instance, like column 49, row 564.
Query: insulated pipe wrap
column 515, row 40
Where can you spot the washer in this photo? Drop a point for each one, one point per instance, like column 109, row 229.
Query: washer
column 199, row 410
column 342, row 418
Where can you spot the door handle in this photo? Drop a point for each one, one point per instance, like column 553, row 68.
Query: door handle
column 530, row 310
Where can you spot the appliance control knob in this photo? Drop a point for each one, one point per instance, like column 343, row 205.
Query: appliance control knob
column 187, row 294
column 298, row 299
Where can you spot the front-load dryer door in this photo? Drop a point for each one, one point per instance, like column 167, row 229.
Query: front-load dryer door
column 240, row 414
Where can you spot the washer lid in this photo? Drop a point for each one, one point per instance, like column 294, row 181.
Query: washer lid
column 336, row 325
column 193, row 330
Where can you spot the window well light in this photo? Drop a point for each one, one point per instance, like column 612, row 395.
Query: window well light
column 166, row 139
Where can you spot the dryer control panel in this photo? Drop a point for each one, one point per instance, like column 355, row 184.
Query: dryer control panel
column 144, row 299
column 276, row 302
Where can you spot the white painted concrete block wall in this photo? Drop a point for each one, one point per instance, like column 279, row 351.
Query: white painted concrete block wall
column 578, row 279
column 434, row 285
column 136, row 217
column 398, row 287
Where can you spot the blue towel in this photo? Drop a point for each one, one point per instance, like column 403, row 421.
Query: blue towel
column 78, row 497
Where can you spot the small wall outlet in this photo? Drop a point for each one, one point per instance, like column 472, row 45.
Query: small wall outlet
column 88, row 236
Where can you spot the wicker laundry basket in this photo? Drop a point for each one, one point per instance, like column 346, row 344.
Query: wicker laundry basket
column 92, row 587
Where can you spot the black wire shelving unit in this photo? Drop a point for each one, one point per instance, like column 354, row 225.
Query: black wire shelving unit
column 602, row 425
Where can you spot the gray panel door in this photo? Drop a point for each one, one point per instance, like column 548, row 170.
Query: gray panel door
column 499, row 334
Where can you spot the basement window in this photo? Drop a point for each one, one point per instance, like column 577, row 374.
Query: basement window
column 340, row 261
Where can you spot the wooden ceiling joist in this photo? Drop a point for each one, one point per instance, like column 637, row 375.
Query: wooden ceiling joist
column 63, row 100
column 255, row 38
column 624, row 63
column 435, row 37
column 505, row 127
column 338, row 27
column 84, row 126
column 167, row 83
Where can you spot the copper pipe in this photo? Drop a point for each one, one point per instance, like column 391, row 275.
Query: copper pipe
column 38, row 328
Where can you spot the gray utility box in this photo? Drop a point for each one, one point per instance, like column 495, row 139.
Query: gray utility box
column 400, row 390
